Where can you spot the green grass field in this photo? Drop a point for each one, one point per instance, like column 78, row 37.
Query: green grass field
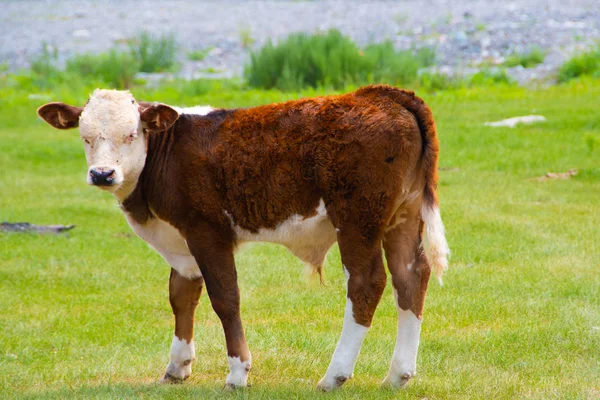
column 86, row 314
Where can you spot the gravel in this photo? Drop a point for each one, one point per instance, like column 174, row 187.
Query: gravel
column 465, row 33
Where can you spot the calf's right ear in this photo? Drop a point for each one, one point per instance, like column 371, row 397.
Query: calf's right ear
column 60, row 115
column 157, row 116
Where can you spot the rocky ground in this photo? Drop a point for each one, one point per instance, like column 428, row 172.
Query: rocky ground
column 465, row 33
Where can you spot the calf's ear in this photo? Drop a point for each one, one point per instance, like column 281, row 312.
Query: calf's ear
column 60, row 115
column 158, row 117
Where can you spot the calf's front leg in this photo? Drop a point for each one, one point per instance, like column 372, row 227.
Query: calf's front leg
column 214, row 255
column 184, row 295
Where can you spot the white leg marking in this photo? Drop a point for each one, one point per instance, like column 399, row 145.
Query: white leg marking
column 345, row 355
column 238, row 372
column 182, row 356
column 404, row 360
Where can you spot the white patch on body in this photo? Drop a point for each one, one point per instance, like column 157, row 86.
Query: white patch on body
column 436, row 247
column 397, row 219
column 344, row 358
column 196, row 110
column 308, row 238
column 238, row 372
column 512, row 122
column 181, row 358
column 167, row 240
column 404, row 361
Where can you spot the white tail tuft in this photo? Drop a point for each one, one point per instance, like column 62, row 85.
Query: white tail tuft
column 436, row 247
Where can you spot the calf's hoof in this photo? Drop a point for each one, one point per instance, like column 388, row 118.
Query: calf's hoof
column 177, row 373
column 170, row 379
column 230, row 387
column 397, row 381
column 327, row 384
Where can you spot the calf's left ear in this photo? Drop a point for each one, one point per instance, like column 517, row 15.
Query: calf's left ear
column 60, row 115
column 158, row 117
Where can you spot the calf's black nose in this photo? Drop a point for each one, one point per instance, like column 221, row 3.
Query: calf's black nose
column 102, row 176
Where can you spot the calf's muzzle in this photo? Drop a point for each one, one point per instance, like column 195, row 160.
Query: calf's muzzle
column 102, row 176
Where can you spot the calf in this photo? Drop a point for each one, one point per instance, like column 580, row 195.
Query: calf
column 358, row 168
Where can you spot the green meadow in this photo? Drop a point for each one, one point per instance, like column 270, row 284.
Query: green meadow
column 86, row 314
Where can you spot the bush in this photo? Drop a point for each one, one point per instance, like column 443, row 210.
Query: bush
column 583, row 64
column 154, row 54
column 331, row 60
column 115, row 68
column 531, row 58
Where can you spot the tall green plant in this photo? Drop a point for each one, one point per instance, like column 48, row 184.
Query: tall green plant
column 332, row 60
column 155, row 54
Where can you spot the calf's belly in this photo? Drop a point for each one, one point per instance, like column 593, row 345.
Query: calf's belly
column 309, row 238
column 302, row 235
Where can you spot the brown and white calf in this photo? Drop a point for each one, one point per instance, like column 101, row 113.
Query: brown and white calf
column 358, row 168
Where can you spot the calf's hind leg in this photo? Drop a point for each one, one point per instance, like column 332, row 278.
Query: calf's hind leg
column 184, row 295
column 366, row 279
column 410, row 275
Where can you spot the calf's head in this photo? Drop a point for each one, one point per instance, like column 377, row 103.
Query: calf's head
column 114, row 129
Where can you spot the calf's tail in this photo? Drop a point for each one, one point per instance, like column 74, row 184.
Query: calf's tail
column 434, row 238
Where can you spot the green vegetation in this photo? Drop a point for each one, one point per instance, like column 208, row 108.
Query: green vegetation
column 246, row 38
column 583, row 64
column 434, row 82
column 115, row 68
column 155, row 54
column 322, row 61
column 198, row 55
column 86, row 315
column 528, row 59
column 332, row 60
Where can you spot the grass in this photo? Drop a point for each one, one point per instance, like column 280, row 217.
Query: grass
column 86, row 315
column 583, row 64
column 528, row 59
column 331, row 60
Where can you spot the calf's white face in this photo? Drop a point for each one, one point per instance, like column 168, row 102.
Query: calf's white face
column 113, row 128
column 114, row 141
